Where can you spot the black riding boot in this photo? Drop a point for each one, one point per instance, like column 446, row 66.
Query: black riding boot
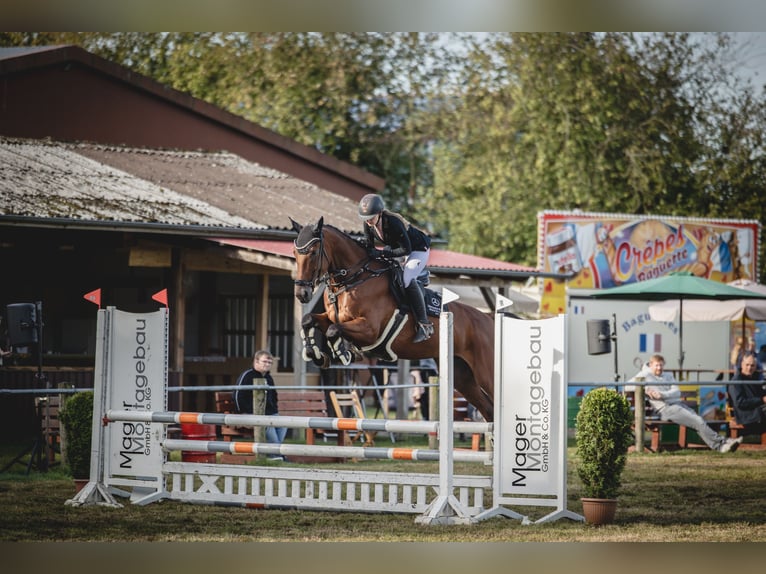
column 418, row 306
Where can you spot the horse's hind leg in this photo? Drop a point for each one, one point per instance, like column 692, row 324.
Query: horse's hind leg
column 467, row 385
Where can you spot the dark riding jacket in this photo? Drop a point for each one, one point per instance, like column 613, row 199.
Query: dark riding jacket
column 747, row 399
column 401, row 236
column 243, row 398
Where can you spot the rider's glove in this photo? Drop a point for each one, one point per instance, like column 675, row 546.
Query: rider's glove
column 388, row 252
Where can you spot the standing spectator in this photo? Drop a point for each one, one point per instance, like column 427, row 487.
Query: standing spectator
column 665, row 398
column 749, row 401
column 243, row 398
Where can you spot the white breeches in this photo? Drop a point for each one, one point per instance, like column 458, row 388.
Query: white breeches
column 414, row 265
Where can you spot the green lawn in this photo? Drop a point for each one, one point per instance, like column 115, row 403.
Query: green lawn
column 692, row 495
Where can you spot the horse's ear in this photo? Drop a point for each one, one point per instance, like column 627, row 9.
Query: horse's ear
column 296, row 226
column 318, row 226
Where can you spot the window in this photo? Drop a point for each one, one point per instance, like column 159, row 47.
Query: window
column 239, row 326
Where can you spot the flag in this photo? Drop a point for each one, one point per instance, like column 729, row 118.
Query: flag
column 161, row 297
column 94, row 297
column 650, row 343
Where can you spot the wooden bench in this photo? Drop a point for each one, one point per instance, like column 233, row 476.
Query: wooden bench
column 224, row 403
column 654, row 425
column 291, row 404
column 736, row 429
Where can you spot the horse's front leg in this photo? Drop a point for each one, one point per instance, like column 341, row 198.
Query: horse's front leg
column 357, row 331
column 313, row 327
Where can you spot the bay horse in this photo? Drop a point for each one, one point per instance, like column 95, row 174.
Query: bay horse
column 362, row 315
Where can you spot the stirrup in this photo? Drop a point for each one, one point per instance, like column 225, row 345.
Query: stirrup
column 425, row 330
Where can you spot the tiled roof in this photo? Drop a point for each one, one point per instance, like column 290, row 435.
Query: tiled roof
column 109, row 183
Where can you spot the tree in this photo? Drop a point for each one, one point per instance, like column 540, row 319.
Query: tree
column 608, row 123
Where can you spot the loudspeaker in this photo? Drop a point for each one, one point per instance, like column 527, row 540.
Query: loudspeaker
column 22, row 324
column 599, row 339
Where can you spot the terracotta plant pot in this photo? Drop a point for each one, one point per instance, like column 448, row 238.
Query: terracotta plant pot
column 599, row 510
column 79, row 484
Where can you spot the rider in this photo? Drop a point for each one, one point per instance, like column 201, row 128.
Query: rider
column 401, row 239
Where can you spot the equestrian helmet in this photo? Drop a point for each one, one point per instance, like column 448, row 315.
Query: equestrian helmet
column 370, row 206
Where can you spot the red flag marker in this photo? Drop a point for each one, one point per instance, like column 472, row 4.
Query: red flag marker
column 94, row 297
column 161, row 297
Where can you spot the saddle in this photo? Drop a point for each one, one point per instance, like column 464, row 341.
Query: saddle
column 433, row 299
column 382, row 347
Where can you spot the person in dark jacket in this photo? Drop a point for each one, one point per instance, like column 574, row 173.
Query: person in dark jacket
column 749, row 400
column 243, row 398
column 400, row 239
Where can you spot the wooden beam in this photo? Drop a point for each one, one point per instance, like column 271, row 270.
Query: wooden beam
column 237, row 261
column 155, row 256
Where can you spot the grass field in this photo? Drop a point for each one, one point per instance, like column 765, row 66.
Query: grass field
column 692, row 495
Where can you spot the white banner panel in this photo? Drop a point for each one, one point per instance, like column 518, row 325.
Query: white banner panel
column 533, row 382
column 137, row 363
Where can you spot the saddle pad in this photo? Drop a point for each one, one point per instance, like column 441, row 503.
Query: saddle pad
column 433, row 301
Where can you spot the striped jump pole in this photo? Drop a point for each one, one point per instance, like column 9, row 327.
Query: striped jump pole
column 360, row 452
column 321, row 423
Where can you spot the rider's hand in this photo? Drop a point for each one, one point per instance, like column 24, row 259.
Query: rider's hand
column 388, row 252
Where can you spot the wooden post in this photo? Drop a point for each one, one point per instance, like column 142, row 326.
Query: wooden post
column 638, row 410
column 433, row 410
column 259, row 408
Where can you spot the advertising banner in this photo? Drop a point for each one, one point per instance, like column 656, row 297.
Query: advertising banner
column 138, row 370
column 605, row 250
column 533, row 392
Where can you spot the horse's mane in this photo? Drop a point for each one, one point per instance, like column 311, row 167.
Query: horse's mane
column 346, row 236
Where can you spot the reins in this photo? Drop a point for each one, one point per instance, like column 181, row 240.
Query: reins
column 337, row 280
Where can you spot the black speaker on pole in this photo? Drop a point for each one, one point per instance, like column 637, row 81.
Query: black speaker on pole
column 22, row 324
column 599, row 338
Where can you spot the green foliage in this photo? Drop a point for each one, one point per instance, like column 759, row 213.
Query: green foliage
column 475, row 134
column 77, row 417
column 603, row 435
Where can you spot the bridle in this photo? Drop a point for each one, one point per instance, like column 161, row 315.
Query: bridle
column 338, row 280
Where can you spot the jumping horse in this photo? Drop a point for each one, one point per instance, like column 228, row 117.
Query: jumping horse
column 362, row 314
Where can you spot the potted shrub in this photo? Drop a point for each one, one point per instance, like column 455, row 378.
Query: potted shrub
column 77, row 419
column 603, row 435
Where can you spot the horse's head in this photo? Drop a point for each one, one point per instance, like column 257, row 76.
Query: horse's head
column 308, row 249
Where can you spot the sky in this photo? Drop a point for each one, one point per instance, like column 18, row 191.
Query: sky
column 753, row 54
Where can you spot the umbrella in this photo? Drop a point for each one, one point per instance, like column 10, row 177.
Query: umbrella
column 678, row 286
column 705, row 310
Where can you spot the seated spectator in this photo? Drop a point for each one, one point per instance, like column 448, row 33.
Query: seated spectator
column 749, row 400
column 665, row 398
